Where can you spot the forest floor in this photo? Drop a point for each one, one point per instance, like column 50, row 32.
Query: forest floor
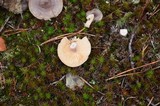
column 121, row 70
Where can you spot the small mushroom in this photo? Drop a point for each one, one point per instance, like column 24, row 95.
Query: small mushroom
column 93, row 15
column 45, row 9
column 74, row 52
column 123, row 32
column 2, row 44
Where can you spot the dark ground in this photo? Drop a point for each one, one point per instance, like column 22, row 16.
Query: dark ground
column 30, row 72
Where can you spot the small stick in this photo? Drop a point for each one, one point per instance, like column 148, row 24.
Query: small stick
column 150, row 101
column 155, row 11
column 61, row 36
column 12, row 32
column 144, row 7
column 55, row 38
column 90, row 85
column 4, row 24
column 122, row 74
column 130, row 50
column 119, row 76
column 53, row 83
column 154, row 62
column 87, row 34
column 86, row 82
column 143, row 51
column 127, row 99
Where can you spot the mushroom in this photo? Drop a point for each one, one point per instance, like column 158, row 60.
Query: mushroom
column 45, row 9
column 74, row 52
column 93, row 15
column 2, row 44
column 123, row 32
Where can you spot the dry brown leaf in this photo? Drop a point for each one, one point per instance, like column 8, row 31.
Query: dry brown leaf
column 2, row 44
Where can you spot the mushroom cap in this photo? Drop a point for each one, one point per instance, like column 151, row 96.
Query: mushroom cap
column 123, row 32
column 97, row 14
column 45, row 9
column 77, row 57
column 2, row 45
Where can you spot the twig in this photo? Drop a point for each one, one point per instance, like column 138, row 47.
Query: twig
column 143, row 51
column 54, row 83
column 122, row 74
column 119, row 76
column 157, row 104
column 90, row 85
column 127, row 99
column 154, row 62
column 156, row 68
column 87, row 34
column 86, row 82
column 12, row 32
column 144, row 7
column 4, row 24
column 155, row 11
column 150, row 101
column 130, row 50
column 99, row 100
column 61, row 36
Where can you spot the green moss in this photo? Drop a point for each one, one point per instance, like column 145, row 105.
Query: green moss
column 109, row 96
column 150, row 74
column 101, row 59
column 139, row 85
column 43, row 73
column 8, row 81
column 48, row 95
column 35, row 97
column 122, row 21
column 73, row 1
column 86, row 96
column 50, row 30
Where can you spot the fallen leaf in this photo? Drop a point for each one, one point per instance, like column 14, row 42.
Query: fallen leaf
column 73, row 81
column 2, row 44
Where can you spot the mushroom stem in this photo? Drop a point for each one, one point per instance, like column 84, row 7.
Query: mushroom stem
column 90, row 19
column 73, row 45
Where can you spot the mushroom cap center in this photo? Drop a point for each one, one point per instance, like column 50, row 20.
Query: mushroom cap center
column 73, row 46
column 45, row 3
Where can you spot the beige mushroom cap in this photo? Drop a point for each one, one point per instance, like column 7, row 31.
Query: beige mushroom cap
column 2, row 45
column 74, row 52
column 45, row 9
